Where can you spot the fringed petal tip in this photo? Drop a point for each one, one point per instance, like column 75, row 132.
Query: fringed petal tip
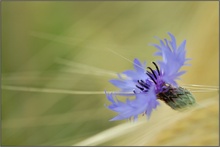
column 138, row 66
column 174, row 57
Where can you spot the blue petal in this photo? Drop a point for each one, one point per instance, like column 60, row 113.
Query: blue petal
column 144, row 102
column 180, row 73
column 182, row 46
column 130, row 73
column 138, row 66
column 118, row 83
column 132, row 76
column 110, row 97
column 173, row 58
column 173, row 42
column 158, row 54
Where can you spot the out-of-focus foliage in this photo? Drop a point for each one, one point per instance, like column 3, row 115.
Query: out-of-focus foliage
column 57, row 47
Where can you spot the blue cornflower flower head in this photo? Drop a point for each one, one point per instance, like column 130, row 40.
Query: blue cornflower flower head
column 150, row 86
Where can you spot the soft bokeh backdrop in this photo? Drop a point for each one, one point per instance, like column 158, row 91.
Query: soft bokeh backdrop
column 51, row 49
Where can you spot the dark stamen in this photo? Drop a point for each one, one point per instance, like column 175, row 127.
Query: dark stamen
column 152, row 72
column 143, row 84
column 151, row 77
column 134, row 91
column 140, row 87
column 157, row 68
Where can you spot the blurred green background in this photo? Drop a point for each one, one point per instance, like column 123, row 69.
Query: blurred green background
column 62, row 47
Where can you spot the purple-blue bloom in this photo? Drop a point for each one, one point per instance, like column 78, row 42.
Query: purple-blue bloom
column 147, row 86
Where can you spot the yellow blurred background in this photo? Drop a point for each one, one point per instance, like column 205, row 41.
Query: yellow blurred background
column 51, row 49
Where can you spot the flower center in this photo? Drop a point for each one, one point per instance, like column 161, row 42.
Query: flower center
column 153, row 78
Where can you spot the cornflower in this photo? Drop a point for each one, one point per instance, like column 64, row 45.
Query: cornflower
column 150, row 86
